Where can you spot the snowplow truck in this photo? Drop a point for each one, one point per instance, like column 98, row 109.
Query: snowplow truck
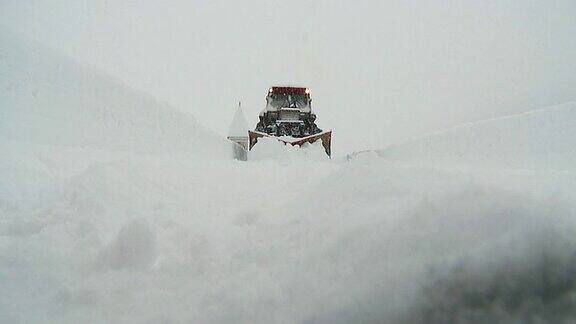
column 288, row 117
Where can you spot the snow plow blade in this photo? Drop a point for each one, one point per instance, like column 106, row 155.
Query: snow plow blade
column 325, row 137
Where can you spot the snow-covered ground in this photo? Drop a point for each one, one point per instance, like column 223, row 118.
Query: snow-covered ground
column 541, row 139
column 117, row 208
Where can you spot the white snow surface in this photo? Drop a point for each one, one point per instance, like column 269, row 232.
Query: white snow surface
column 540, row 139
column 269, row 148
column 115, row 208
column 49, row 99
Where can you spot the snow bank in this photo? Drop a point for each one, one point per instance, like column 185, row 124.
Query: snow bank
column 378, row 242
column 158, row 239
column 541, row 139
column 49, row 99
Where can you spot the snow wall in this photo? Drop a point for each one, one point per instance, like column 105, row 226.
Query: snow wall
column 49, row 99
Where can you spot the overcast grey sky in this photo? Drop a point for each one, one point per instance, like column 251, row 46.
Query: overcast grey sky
column 379, row 71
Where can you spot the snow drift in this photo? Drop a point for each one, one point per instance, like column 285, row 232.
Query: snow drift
column 541, row 139
column 116, row 208
column 49, row 99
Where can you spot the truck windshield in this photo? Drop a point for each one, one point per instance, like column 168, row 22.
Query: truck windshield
column 282, row 100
